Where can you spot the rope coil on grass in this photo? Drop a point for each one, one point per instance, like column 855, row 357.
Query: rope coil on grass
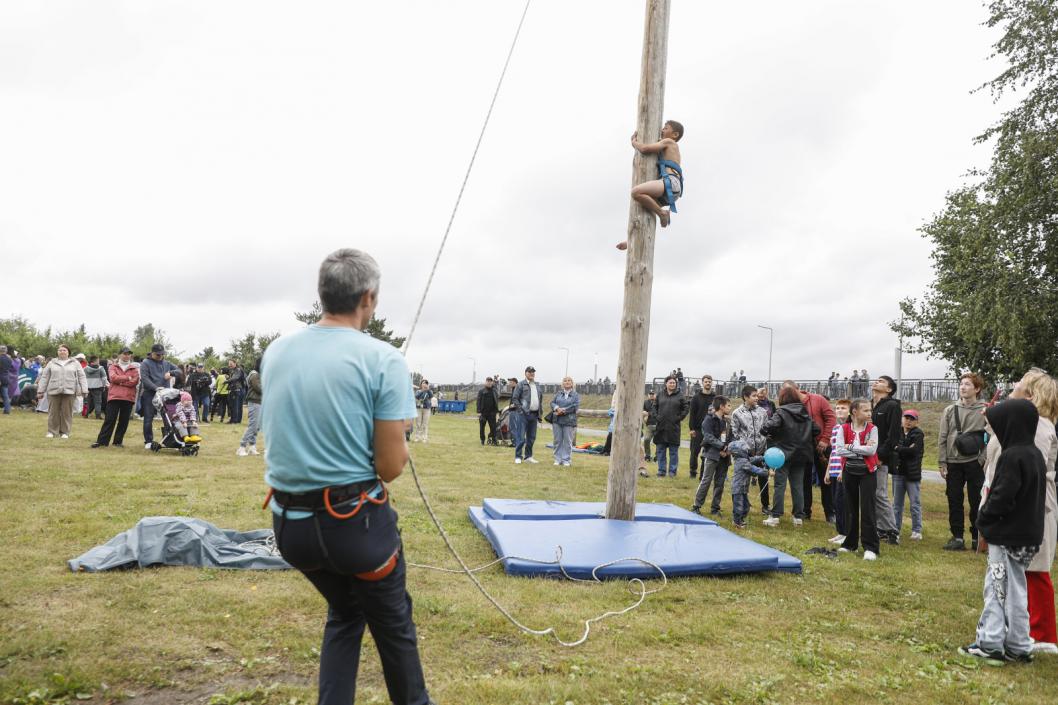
column 637, row 583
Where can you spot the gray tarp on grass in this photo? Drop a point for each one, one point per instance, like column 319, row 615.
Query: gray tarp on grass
column 182, row 541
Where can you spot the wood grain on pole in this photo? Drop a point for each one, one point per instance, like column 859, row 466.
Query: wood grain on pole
column 627, row 448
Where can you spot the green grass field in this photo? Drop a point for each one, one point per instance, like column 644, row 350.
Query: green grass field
column 846, row 631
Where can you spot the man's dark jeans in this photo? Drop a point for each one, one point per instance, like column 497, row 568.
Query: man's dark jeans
column 972, row 475
column 147, row 410
column 235, row 405
column 696, row 451
column 490, row 419
column 329, row 555
column 94, row 403
column 202, row 402
column 821, row 461
column 527, row 424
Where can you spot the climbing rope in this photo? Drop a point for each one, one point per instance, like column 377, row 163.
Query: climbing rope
column 466, row 177
column 635, row 584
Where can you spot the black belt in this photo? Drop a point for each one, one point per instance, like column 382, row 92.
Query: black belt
column 313, row 501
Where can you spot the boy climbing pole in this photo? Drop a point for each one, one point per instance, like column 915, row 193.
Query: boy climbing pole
column 659, row 195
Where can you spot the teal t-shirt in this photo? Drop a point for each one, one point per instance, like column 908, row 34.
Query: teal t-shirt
column 322, row 390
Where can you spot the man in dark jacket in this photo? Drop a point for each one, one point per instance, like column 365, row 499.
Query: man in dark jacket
column 199, row 381
column 155, row 371
column 488, row 407
column 701, row 406
column 671, row 408
column 1011, row 521
column 885, row 414
column 236, row 391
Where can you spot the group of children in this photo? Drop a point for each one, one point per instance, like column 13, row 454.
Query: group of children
column 853, row 460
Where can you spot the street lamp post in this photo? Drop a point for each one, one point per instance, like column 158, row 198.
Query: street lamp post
column 771, row 341
column 567, row 360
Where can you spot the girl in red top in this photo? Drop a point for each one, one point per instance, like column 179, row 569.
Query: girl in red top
column 857, row 446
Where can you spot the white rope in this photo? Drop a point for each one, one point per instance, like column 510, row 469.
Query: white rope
column 635, row 584
column 464, row 568
column 466, row 177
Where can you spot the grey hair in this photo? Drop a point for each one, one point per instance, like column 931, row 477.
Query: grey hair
column 3, row 349
column 345, row 276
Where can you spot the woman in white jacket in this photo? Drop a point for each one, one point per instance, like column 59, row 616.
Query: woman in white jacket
column 62, row 379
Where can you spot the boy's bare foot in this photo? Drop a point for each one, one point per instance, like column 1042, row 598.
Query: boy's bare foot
column 663, row 216
column 622, row 245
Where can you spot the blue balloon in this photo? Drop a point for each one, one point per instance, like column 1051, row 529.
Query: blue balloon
column 774, row 458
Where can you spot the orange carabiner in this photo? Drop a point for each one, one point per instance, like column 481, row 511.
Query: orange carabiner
column 268, row 498
column 336, row 515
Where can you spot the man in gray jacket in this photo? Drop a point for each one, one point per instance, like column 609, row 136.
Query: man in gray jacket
column 525, row 415
column 957, row 468
column 155, row 372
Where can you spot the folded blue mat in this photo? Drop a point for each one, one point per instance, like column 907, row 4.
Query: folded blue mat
column 552, row 510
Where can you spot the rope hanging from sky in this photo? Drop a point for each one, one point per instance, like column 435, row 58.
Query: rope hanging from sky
column 466, row 177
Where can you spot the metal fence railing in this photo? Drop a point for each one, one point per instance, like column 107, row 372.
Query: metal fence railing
column 910, row 390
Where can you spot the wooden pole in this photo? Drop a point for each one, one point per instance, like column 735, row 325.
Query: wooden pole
column 627, row 448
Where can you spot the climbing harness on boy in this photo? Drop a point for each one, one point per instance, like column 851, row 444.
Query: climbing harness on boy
column 663, row 170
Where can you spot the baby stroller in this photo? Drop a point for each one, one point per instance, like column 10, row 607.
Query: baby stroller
column 165, row 401
column 504, row 437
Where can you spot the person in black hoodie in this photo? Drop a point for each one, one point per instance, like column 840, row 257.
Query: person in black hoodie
column 907, row 473
column 1011, row 521
column 791, row 430
column 701, row 406
column 885, row 414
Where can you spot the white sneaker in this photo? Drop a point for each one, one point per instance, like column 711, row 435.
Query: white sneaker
column 1044, row 647
column 64, row 435
column 252, row 450
column 241, row 452
column 567, row 465
column 844, row 550
column 517, row 461
column 916, row 535
column 771, row 521
column 870, row 556
column 531, row 459
column 49, row 435
column 148, row 446
column 839, row 539
column 557, row 463
column 797, row 522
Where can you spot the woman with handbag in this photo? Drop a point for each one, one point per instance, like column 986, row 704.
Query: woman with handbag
column 960, row 446
column 563, row 420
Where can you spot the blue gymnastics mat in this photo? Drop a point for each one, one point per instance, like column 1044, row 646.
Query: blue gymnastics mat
column 679, row 548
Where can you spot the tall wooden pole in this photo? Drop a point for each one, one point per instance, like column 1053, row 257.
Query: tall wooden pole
column 639, row 276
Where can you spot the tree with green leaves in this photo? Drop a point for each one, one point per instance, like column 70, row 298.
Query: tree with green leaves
column 147, row 335
column 992, row 304
column 376, row 327
column 248, row 349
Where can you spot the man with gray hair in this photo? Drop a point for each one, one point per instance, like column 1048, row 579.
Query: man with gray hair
column 335, row 405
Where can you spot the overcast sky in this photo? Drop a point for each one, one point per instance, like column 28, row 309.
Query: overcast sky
column 191, row 163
